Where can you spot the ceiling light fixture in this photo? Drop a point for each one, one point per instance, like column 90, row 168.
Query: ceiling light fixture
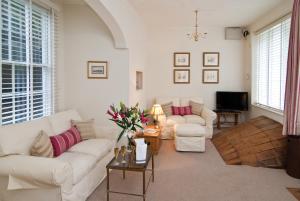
column 196, row 35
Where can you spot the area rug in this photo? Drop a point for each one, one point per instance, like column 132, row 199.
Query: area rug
column 258, row 142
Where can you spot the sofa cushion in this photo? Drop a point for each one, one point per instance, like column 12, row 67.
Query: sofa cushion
column 189, row 130
column 95, row 147
column 86, row 128
column 164, row 100
column 18, row 138
column 61, row 121
column 196, row 108
column 175, row 119
column 167, row 108
column 65, row 140
column 194, row 119
column 42, row 146
column 187, row 110
column 81, row 164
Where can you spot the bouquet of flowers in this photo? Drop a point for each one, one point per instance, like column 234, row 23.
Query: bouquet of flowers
column 128, row 118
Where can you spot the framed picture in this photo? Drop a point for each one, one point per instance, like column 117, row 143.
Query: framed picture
column 210, row 76
column 139, row 80
column 97, row 70
column 211, row 59
column 181, row 76
column 182, row 59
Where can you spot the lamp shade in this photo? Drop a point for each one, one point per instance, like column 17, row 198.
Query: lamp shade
column 156, row 110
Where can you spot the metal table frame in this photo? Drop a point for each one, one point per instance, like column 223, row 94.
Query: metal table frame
column 143, row 170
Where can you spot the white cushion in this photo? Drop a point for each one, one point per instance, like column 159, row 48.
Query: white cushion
column 80, row 163
column 175, row 119
column 18, row 138
column 186, row 101
column 95, row 147
column 62, row 121
column 194, row 119
column 189, row 130
column 164, row 100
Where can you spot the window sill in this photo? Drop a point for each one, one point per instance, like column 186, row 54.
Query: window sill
column 269, row 109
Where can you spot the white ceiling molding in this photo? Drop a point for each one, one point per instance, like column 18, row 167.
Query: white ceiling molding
column 110, row 21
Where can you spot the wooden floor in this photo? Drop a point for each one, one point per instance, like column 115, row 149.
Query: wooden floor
column 295, row 192
column 258, row 142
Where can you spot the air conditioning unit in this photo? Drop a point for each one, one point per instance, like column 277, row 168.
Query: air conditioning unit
column 235, row 33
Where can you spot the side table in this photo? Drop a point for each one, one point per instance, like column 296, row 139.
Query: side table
column 154, row 139
column 225, row 113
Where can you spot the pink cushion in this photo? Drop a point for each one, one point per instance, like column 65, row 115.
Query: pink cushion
column 65, row 140
column 187, row 110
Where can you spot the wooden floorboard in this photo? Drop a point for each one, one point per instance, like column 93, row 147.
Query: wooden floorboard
column 295, row 192
column 258, row 142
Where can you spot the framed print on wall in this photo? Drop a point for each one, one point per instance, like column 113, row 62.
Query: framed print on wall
column 97, row 70
column 181, row 76
column 182, row 59
column 210, row 76
column 211, row 59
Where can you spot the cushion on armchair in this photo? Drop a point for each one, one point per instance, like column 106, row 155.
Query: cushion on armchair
column 196, row 108
column 167, row 108
column 175, row 119
column 194, row 119
column 186, row 110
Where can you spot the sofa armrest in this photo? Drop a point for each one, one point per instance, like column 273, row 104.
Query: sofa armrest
column 107, row 132
column 209, row 116
column 27, row 172
column 162, row 120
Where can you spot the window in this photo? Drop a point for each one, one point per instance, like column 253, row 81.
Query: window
column 26, row 71
column 271, row 64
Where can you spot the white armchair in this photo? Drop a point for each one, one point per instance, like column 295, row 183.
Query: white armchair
column 167, row 123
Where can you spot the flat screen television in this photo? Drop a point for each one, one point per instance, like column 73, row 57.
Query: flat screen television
column 228, row 100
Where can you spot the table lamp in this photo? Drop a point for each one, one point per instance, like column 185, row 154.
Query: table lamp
column 155, row 111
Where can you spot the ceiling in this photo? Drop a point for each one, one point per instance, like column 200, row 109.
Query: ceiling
column 179, row 13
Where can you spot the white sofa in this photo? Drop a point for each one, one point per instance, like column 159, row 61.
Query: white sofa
column 72, row 176
column 167, row 123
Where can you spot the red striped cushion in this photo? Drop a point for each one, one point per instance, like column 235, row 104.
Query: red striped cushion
column 65, row 140
column 187, row 110
column 175, row 110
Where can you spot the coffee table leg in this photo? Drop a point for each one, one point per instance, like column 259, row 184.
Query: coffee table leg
column 107, row 185
column 123, row 174
column 144, row 186
column 152, row 168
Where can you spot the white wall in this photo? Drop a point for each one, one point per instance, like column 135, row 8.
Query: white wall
column 135, row 35
column 88, row 38
column 165, row 41
column 276, row 13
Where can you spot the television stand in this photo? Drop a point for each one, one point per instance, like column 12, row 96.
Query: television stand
column 220, row 113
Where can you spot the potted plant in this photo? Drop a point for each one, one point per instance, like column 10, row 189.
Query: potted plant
column 129, row 119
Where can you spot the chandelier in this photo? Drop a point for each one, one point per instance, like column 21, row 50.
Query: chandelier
column 196, row 35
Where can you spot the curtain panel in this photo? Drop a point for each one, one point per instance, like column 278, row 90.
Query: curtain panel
column 291, row 124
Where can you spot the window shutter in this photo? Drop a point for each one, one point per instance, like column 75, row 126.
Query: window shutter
column 272, row 50
column 26, row 62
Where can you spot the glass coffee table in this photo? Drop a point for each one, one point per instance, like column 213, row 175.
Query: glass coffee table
column 131, row 165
